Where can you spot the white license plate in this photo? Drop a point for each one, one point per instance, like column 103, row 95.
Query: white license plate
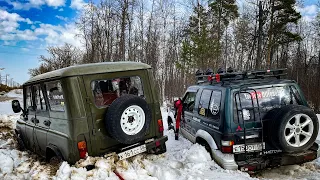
column 250, row 147
column 132, row 152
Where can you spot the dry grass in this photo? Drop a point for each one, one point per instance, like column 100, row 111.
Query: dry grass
column 4, row 98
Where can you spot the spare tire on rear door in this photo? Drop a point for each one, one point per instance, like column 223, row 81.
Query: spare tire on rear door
column 294, row 128
column 128, row 118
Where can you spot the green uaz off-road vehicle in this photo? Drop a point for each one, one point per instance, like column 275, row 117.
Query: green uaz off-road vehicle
column 91, row 109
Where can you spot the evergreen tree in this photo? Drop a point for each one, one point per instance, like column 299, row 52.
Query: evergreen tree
column 282, row 14
column 198, row 48
column 222, row 12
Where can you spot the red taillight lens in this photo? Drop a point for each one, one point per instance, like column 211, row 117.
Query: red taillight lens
column 160, row 125
column 226, row 149
column 227, row 146
column 82, row 147
column 249, row 168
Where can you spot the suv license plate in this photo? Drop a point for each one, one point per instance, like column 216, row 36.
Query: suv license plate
column 132, row 152
column 250, row 147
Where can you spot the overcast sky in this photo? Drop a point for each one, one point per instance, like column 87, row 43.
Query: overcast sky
column 27, row 27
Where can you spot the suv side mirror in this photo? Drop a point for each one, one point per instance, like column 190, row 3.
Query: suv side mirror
column 16, row 106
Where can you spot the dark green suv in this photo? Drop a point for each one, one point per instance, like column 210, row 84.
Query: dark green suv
column 249, row 120
column 91, row 109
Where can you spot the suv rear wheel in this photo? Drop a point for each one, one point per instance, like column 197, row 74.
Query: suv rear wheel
column 294, row 128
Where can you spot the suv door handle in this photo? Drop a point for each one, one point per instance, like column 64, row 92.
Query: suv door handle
column 47, row 123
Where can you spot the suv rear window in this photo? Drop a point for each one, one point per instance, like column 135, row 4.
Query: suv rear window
column 268, row 98
column 106, row 91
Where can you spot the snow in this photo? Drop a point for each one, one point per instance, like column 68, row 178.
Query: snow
column 17, row 93
column 5, row 106
column 183, row 160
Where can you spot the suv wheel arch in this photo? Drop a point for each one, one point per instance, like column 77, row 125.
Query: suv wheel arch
column 207, row 137
column 52, row 151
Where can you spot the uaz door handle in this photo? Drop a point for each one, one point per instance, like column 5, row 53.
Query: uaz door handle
column 34, row 120
column 47, row 123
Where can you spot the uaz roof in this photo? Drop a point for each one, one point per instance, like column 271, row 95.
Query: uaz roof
column 86, row 69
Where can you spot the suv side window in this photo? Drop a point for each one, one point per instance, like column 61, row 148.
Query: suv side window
column 296, row 99
column 203, row 108
column 189, row 101
column 55, row 96
column 106, row 91
column 215, row 104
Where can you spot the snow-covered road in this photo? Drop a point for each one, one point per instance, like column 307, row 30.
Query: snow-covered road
column 183, row 160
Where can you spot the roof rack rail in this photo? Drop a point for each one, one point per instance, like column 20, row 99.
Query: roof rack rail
column 209, row 76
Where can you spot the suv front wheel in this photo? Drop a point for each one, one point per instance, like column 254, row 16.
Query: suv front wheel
column 294, row 128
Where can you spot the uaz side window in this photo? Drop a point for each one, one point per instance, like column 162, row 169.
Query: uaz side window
column 55, row 96
column 29, row 101
column 39, row 99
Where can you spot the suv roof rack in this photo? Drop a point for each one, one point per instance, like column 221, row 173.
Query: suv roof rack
column 209, row 76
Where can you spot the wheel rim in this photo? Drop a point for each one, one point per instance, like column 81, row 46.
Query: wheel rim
column 298, row 130
column 132, row 120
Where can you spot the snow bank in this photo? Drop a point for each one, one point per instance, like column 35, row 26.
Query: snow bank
column 17, row 164
column 183, row 160
column 187, row 161
column 16, row 93
column 5, row 107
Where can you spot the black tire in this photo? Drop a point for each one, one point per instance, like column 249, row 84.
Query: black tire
column 55, row 160
column 279, row 121
column 113, row 117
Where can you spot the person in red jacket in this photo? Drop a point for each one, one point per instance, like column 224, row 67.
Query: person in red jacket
column 178, row 105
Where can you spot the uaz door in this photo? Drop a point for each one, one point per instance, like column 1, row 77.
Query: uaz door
column 41, row 120
column 30, row 120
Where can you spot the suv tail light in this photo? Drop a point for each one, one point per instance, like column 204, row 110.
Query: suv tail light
column 82, row 147
column 227, row 146
column 160, row 125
